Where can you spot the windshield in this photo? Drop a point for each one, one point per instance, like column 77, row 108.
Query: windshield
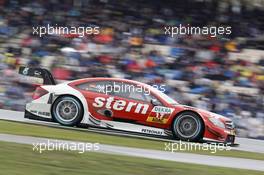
column 163, row 96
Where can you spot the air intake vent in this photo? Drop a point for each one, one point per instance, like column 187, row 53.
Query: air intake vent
column 229, row 125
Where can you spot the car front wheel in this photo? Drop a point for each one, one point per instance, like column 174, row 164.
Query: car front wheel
column 188, row 126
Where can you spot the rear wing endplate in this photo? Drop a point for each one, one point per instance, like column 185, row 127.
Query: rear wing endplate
column 39, row 73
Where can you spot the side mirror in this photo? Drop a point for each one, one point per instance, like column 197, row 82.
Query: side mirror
column 154, row 102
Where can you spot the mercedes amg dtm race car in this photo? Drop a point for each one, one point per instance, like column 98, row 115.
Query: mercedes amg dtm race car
column 94, row 102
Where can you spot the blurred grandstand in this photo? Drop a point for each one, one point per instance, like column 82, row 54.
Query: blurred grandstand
column 223, row 74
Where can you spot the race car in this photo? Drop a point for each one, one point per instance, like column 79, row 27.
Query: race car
column 122, row 104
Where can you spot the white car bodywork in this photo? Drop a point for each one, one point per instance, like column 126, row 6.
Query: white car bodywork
column 42, row 108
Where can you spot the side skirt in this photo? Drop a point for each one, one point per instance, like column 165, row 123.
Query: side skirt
column 29, row 115
column 128, row 127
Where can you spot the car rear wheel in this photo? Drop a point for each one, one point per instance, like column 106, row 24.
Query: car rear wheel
column 188, row 126
column 67, row 111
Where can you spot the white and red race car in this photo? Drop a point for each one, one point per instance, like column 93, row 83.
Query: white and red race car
column 97, row 102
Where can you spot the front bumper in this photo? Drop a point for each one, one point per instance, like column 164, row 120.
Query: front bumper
column 219, row 134
column 230, row 139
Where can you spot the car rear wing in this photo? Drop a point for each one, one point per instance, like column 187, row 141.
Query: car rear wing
column 39, row 73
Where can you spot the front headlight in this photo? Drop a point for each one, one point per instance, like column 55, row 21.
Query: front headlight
column 217, row 122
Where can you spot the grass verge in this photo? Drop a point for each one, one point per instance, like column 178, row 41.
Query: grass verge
column 20, row 159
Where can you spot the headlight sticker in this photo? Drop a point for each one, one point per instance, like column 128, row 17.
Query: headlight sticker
column 217, row 122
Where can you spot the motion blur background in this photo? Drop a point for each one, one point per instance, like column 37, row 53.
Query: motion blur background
column 224, row 74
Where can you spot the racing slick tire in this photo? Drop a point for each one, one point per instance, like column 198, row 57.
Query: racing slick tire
column 67, row 111
column 188, row 126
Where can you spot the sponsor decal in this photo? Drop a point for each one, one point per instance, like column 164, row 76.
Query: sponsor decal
column 162, row 110
column 33, row 111
column 25, row 71
column 120, row 105
column 232, row 132
column 40, row 113
column 44, row 113
column 160, row 114
column 37, row 73
column 151, row 131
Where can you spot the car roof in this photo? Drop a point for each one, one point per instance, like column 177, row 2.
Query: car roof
column 107, row 78
column 85, row 80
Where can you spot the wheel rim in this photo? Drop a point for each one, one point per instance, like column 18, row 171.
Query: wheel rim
column 188, row 126
column 67, row 110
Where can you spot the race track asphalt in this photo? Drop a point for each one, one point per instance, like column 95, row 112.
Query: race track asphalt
column 245, row 144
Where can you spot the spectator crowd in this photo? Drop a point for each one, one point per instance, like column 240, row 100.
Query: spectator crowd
column 198, row 70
